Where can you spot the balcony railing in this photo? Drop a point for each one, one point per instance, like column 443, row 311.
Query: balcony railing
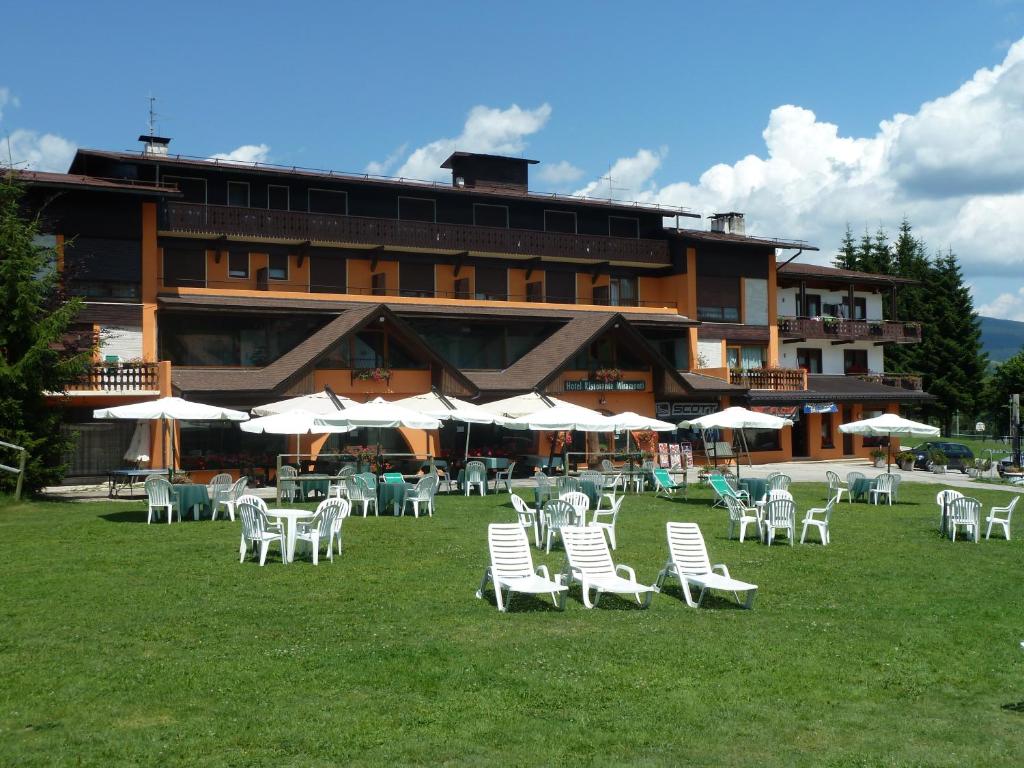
column 910, row 381
column 777, row 379
column 118, row 378
column 840, row 328
column 298, row 226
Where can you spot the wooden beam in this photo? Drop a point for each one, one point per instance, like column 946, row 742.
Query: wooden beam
column 840, row 343
column 595, row 272
column 375, row 259
column 458, row 262
column 532, row 264
column 301, row 251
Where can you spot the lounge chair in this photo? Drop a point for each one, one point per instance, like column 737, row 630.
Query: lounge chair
column 512, row 568
column 664, row 484
column 688, row 561
column 589, row 561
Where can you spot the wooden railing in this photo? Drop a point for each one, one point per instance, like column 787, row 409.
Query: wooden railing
column 778, row 379
column 119, row 377
column 909, row 381
column 839, row 328
column 299, row 226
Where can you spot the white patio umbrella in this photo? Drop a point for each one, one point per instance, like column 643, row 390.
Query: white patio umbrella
column 446, row 408
column 382, row 414
column 887, row 425
column 563, row 418
column 630, row 421
column 169, row 409
column 523, row 405
column 318, row 403
column 737, row 418
column 297, row 422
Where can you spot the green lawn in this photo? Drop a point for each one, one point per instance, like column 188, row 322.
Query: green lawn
column 128, row 644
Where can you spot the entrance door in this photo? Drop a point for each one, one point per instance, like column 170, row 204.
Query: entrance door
column 847, row 439
column 800, row 436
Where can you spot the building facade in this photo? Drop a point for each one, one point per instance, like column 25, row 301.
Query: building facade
column 241, row 284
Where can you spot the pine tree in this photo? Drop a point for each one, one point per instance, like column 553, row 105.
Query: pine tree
column 35, row 356
column 1007, row 379
column 875, row 253
column 847, row 256
column 909, row 259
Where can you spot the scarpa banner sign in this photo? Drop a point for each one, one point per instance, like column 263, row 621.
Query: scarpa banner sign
column 790, row 412
column 668, row 411
column 820, row 408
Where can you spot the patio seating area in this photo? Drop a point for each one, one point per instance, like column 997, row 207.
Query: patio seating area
column 391, row 626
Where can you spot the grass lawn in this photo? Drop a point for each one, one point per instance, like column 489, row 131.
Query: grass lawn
column 128, row 644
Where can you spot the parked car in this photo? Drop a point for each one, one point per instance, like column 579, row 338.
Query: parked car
column 958, row 455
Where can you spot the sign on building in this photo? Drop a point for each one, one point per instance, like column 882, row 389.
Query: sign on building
column 669, row 411
column 588, row 385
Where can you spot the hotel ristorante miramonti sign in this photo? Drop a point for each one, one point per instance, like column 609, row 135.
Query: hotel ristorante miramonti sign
column 590, row 385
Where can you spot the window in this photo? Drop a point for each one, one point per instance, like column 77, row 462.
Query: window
column 826, row 431
column 560, row 221
column 745, row 357
column 601, row 294
column 860, row 308
column 278, row 266
column 238, row 264
column 622, row 292
column 490, row 215
column 491, row 283
column 417, row 209
column 718, row 299
column 192, row 190
column 238, row 193
column 185, row 267
column 561, row 287
column 762, row 439
column 328, row 201
column 278, row 197
column 809, row 360
column 813, row 305
column 535, row 291
column 622, row 226
column 462, row 288
column 379, row 284
column 326, row 273
column 855, row 361
column 416, row 279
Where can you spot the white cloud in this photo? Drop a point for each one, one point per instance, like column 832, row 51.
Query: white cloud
column 1009, row 306
column 631, row 177
column 955, row 168
column 7, row 98
column 559, row 174
column 247, row 153
column 488, row 130
column 31, row 150
column 383, row 168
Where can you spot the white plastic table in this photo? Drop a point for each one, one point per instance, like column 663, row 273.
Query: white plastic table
column 291, row 518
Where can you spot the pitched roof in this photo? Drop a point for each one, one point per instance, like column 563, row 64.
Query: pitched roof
column 706, row 236
column 283, row 371
column 826, row 387
column 798, row 269
column 80, row 181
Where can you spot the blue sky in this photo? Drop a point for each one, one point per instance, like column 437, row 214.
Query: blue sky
column 771, row 108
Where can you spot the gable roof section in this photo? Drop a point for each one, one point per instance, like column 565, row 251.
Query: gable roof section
column 297, row 361
column 799, row 270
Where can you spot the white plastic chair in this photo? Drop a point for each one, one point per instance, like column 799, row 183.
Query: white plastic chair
column 580, row 502
column 811, row 520
column 360, row 493
column 779, row 515
column 943, row 498
column 965, row 512
column 256, row 529
column 779, row 482
column 229, row 498
column 556, row 515
column 321, row 528
column 337, row 487
column 160, row 500
column 344, row 508
column 589, row 561
column 475, row 475
column 565, row 484
column 883, row 486
column 742, row 516
column 836, row 488
column 504, row 476
column 529, row 518
column 421, row 493
column 512, row 568
column 219, row 484
column 688, row 561
column 995, row 519
column 605, row 519
column 287, row 486
column 607, row 467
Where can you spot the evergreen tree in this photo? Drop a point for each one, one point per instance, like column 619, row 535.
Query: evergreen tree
column 909, row 259
column 35, row 355
column 875, row 253
column 1007, row 379
column 847, row 256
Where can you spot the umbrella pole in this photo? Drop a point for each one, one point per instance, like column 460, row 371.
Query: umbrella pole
column 469, row 426
column 888, row 456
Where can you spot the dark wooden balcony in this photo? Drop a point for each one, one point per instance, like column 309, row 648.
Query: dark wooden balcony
column 323, row 228
column 840, row 329
column 777, row 379
column 118, row 378
column 910, row 381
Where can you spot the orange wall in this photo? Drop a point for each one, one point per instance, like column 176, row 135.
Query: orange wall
column 403, row 383
column 444, row 279
column 150, row 272
column 585, row 285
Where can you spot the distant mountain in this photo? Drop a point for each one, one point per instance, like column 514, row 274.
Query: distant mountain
column 1002, row 339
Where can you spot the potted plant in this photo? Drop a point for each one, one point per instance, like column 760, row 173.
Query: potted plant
column 875, row 329
column 905, row 460
column 878, row 458
column 608, row 375
column 830, row 324
column 937, row 461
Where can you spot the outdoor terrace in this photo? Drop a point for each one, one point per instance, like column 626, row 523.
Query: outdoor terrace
column 776, row 379
column 335, row 229
column 117, row 379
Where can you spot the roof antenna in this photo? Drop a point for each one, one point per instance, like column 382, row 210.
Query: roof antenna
column 154, row 145
column 610, row 180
